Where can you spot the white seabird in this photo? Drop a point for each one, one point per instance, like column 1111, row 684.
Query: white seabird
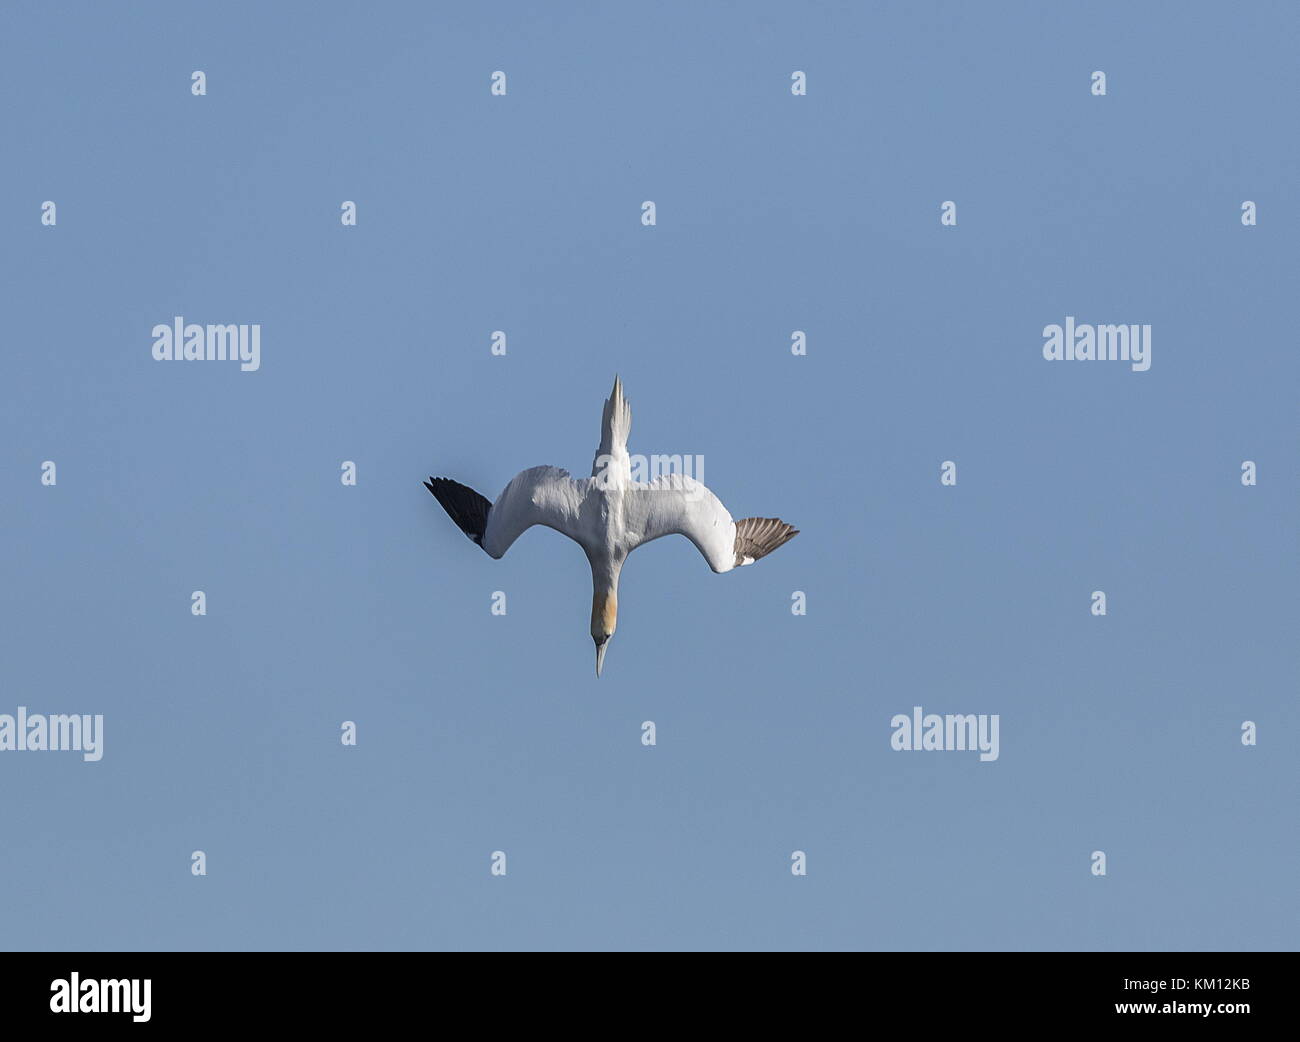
column 609, row 515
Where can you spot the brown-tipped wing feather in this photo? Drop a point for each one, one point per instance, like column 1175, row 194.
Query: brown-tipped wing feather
column 758, row 536
column 463, row 505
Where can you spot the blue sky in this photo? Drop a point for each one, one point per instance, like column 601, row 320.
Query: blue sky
column 775, row 213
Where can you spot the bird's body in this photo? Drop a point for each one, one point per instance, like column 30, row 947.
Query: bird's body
column 609, row 515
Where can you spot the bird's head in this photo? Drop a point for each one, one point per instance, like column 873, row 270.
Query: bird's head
column 604, row 620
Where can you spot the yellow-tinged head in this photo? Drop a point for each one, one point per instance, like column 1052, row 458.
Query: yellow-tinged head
column 604, row 620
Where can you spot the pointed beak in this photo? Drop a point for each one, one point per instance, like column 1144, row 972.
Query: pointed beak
column 600, row 655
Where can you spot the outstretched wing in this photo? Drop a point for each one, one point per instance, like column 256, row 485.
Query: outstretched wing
column 537, row 496
column 679, row 505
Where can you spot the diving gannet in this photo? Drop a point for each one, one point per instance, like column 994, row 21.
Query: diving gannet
column 609, row 515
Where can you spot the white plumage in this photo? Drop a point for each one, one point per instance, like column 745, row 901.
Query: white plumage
column 609, row 515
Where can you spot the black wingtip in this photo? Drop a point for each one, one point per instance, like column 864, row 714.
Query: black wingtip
column 463, row 505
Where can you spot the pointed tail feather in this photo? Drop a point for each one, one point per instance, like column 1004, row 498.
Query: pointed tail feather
column 615, row 421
